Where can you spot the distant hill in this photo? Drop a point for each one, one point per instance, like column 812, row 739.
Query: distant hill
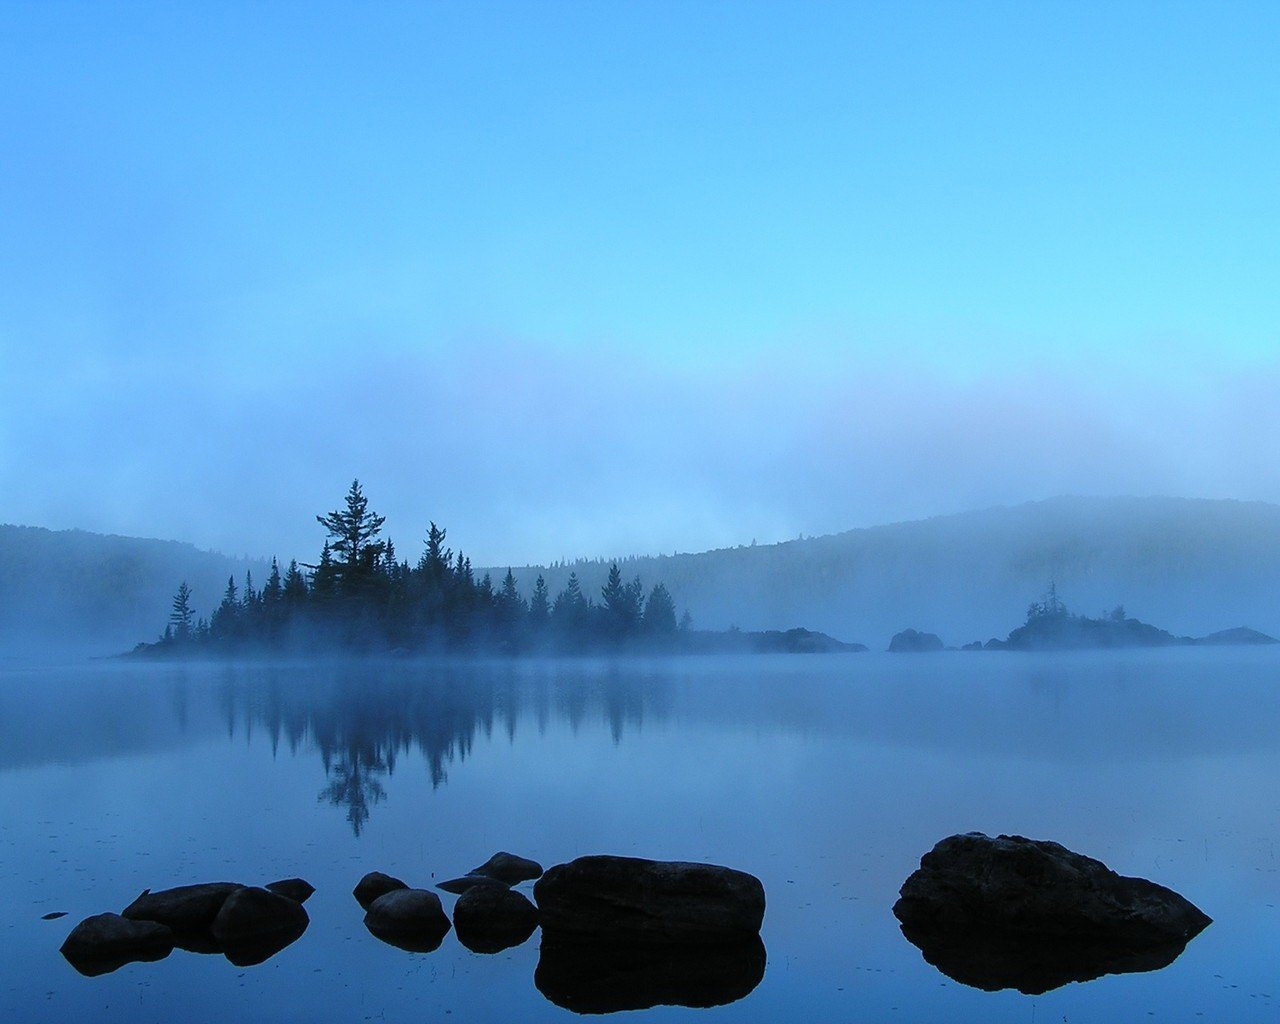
column 1194, row 566
column 69, row 593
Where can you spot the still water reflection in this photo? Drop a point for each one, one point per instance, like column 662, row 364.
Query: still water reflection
column 827, row 777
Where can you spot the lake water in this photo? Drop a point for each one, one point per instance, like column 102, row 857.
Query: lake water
column 827, row 777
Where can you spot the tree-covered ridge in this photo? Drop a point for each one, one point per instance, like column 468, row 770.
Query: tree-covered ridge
column 360, row 595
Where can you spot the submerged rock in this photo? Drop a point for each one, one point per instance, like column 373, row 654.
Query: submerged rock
column 911, row 641
column 187, row 908
column 411, row 919
column 373, row 885
column 297, row 889
column 106, row 942
column 634, row 900
column 605, row 977
column 251, row 914
column 508, row 868
column 1035, row 887
column 490, row 918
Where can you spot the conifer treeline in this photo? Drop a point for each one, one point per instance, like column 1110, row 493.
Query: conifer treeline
column 359, row 595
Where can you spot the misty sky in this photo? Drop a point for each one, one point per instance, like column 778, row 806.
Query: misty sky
column 603, row 278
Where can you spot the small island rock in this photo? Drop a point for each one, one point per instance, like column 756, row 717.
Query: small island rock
column 409, row 918
column 252, row 913
column 373, row 885
column 911, row 641
column 490, row 918
column 104, row 942
column 510, row 869
column 297, row 889
column 628, row 899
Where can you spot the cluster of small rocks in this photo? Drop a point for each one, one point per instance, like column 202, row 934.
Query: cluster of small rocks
column 246, row 923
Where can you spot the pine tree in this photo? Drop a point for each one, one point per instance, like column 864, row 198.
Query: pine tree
column 180, row 618
column 659, row 612
column 539, row 606
column 354, row 530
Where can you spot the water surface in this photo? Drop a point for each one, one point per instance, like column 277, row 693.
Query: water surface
column 827, row 777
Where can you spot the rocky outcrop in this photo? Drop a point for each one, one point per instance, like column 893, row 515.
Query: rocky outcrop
column 489, row 919
column 508, row 868
column 1012, row 912
column 106, row 942
column 603, row 977
column 627, row 899
column 411, row 919
column 373, row 885
column 297, row 889
column 186, row 908
column 911, row 641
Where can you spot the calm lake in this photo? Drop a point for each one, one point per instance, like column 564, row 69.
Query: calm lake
column 826, row 776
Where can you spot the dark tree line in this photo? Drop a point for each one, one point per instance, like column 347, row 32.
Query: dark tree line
column 360, row 595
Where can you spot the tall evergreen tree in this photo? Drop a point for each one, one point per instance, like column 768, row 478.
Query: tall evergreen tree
column 353, row 531
column 659, row 612
column 181, row 617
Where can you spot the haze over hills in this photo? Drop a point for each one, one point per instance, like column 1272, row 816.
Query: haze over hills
column 1189, row 566
column 74, row 593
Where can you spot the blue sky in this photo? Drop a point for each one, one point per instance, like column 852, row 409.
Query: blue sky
column 587, row 278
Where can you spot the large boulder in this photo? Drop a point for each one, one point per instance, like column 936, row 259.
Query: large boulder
column 251, row 913
column 373, row 885
column 603, row 977
column 412, row 919
column 627, row 899
column 1043, row 889
column 490, row 919
column 297, row 889
column 508, row 868
column 105, row 942
column 187, row 908
column 911, row 641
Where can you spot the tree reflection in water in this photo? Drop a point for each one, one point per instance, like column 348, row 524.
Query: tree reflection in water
column 363, row 717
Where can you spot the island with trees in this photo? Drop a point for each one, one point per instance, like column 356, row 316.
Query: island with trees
column 361, row 596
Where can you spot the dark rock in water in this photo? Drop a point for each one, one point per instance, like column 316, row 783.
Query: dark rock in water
column 53, row 916
column 297, row 889
column 1039, row 887
column 253, row 951
column 373, row 885
column 251, row 914
column 626, row 899
column 188, row 908
column 994, row 959
column 471, row 881
column 911, row 641
column 603, row 977
column 105, row 942
column 490, row 918
column 411, row 919
column 508, row 868
column 1238, row 635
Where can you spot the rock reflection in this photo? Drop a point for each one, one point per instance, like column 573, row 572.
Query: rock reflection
column 604, row 978
column 362, row 719
column 993, row 960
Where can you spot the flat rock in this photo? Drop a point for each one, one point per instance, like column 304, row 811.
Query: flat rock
column 187, row 908
column 251, row 913
column 628, row 899
column 464, row 883
column 1040, row 888
column 373, row 885
column 603, row 977
column 105, row 942
column 297, row 889
column 412, row 919
column 491, row 918
column 510, row 869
